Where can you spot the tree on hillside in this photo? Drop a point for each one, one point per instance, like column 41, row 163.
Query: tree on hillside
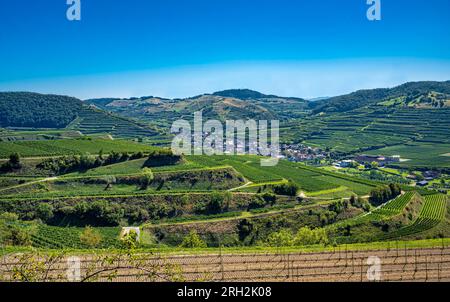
column 289, row 189
column 383, row 194
column 44, row 212
column 146, row 178
column 110, row 181
column 374, row 165
column 12, row 164
column 14, row 159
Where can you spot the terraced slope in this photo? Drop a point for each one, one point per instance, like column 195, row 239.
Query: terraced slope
column 432, row 213
column 307, row 178
column 92, row 121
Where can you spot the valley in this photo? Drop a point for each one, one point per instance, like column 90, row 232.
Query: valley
column 359, row 169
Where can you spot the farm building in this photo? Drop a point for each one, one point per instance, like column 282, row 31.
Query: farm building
column 422, row 183
column 383, row 160
column 344, row 163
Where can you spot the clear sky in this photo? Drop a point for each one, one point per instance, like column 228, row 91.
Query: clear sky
column 180, row 48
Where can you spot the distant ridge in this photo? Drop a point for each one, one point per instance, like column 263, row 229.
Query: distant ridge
column 243, row 94
column 361, row 98
column 248, row 94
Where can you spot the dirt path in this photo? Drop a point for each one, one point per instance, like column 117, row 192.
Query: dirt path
column 30, row 183
column 241, row 187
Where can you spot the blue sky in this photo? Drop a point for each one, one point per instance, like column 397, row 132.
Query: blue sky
column 179, row 48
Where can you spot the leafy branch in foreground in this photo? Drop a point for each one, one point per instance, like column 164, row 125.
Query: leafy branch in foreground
column 56, row 267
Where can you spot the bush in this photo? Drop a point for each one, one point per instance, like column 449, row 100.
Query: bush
column 90, row 237
column 146, row 178
column 162, row 158
column 130, row 240
column 306, row 236
column 11, row 233
column 193, row 240
column 289, row 189
column 281, row 238
column 12, row 164
column 44, row 212
column 269, row 198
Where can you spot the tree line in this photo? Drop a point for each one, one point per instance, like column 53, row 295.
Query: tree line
column 383, row 194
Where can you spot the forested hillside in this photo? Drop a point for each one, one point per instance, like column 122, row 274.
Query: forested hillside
column 24, row 109
column 33, row 110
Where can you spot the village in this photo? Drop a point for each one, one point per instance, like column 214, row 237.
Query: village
column 375, row 167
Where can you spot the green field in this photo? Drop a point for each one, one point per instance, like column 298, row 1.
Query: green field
column 307, row 178
column 67, row 147
column 418, row 154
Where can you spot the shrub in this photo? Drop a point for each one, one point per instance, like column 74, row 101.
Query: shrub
column 306, row 236
column 280, row 239
column 193, row 240
column 44, row 212
column 269, row 198
column 162, row 158
column 146, row 178
column 11, row 233
column 12, row 164
column 90, row 237
column 130, row 240
column 289, row 189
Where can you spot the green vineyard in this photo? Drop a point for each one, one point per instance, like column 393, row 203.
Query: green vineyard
column 388, row 210
column 398, row 204
column 69, row 146
column 432, row 213
column 61, row 238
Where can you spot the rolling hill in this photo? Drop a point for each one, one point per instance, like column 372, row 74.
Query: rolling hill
column 33, row 110
column 408, row 91
column 224, row 105
column 413, row 114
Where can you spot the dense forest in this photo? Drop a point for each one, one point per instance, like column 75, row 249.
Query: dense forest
column 24, row 109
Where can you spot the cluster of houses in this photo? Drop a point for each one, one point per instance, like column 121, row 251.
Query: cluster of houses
column 427, row 175
column 302, row 153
